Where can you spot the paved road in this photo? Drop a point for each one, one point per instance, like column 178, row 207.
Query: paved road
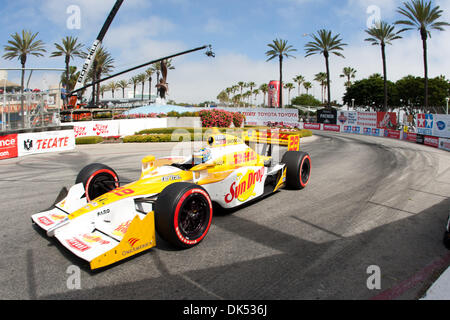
column 370, row 201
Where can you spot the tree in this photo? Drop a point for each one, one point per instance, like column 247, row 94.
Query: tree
column 325, row 43
column 280, row 49
column 299, row 81
column 70, row 80
column 264, row 88
column 369, row 93
column 307, row 85
column 113, row 87
column 149, row 72
column 289, row 86
column 103, row 64
column 142, row 78
column 256, row 93
column 20, row 47
column 251, row 85
column 134, row 81
column 69, row 49
column 349, row 73
column 421, row 15
column 306, row 100
column 321, row 78
column 382, row 34
column 123, row 84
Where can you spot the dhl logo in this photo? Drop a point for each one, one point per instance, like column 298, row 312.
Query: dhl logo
column 244, row 189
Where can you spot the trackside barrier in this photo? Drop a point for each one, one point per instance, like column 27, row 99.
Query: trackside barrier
column 428, row 140
column 13, row 145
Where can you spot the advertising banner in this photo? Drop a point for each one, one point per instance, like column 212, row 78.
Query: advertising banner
column 43, row 142
column 410, row 136
column 441, row 125
column 331, row 127
column 444, row 144
column 431, row 141
column 347, row 118
column 262, row 116
column 8, row 146
column 96, row 128
column 393, row 134
column 312, row 126
column 425, row 123
column 386, row 120
column 328, row 116
column 367, row 119
column 274, row 94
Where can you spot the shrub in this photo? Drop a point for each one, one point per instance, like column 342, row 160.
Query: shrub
column 238, row 119
column 88, row 140
column 216, row 118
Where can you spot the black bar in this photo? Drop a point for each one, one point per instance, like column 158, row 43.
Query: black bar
column 109, row 20
column 137, row 67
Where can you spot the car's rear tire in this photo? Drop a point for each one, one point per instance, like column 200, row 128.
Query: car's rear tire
column 183, row 214
column 298, row 166
column 97, row 180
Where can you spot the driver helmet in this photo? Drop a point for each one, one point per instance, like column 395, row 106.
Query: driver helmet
column 201, row 156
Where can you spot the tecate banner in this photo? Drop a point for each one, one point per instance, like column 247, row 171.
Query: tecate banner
column 8, row 146
column 43, row 142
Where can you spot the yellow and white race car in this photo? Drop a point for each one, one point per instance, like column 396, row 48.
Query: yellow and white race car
column 103, row 222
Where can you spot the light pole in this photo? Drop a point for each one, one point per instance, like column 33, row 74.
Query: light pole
column 447, row 103
column 353, row 104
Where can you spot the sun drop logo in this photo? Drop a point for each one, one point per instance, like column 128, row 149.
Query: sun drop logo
column 244, row 189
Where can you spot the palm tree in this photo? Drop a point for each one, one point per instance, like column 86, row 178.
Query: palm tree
column 349, row 73
column 382, row 34
column 70, row 48
column 264, row 88
column 325, row 43
column 251, row 85
column 307, row 85
column 422, row 16
column 142, row 78
column 299, row 80
column 256, row 93
column 70, row 80
column 103, row 64
column 113, row 86
column 149, row 73
column 280, row 49
column 134, row 81
column 20, row 47
column 321, row 78
column 123, row 84
column 289, row 86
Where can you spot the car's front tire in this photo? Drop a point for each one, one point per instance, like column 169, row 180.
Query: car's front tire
column 298, row 166
column 447, row 240
column 183, row 214
column 97, row 180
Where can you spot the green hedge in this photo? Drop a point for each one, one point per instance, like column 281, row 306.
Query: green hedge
column 88, row 140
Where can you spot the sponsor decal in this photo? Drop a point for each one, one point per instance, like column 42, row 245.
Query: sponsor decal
column 100, row 129
column 134, row 249
column 170, row 178
column 244, row 187
column 347, row 129
column 246, row 156
column 103, row 212
column 52, row 143
column 133, row 241
column 444, row 144
column 28, row 144
column 92, row 238
column 331, row 127
column 356, row 130
column 121, row 229
column 45, row 221
column 77, row 244
column 80, row 131
column 441, row 125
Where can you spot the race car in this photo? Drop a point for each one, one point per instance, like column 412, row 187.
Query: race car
column 103, row 222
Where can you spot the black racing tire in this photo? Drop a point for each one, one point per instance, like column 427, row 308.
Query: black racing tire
column 97, row 180
column 183, row 214
column 447, row 240
column 298, row 166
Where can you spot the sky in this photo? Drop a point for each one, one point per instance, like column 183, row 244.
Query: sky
column 238, row 31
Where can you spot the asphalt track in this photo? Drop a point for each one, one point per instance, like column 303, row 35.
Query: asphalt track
column 370, row 201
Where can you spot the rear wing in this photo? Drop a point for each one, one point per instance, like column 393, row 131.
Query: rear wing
column 289, row 139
